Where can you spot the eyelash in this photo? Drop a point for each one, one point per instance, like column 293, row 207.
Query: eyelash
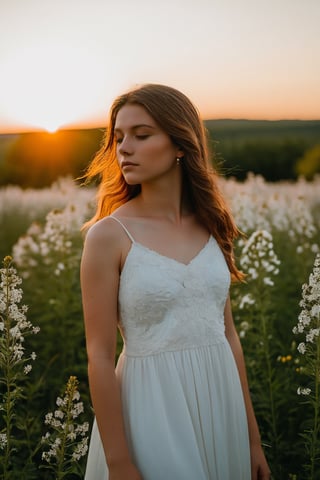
column 140, row 137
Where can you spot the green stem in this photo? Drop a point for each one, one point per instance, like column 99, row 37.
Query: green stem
column 265, row 323
column 266, row 350
column 60, row 466
column 315, row 430
column 269, row 379
column 7, row 375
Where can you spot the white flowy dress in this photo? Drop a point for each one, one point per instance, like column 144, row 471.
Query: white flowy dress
column 181, row 395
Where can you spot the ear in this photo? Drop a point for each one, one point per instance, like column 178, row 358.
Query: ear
column 180, row 152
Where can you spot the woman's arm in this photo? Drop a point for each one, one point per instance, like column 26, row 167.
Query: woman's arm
column 100, row 267
column 259, row 466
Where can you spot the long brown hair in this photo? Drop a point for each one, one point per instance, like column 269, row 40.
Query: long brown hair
column 178, row 117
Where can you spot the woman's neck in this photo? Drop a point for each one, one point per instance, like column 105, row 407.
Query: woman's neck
column 161, row 201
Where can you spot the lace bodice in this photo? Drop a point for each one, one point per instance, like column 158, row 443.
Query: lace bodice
column 166, row 305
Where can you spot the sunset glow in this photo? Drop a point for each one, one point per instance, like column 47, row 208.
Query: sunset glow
column 62, row 63
column 45, row 86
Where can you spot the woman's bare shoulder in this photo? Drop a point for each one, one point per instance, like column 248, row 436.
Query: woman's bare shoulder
column 105, row 236
column 104, row 229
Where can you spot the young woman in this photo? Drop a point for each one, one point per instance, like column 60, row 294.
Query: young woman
column 156, row 264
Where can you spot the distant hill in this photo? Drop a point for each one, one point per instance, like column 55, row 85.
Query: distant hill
column 244, row 130
column 269, row 148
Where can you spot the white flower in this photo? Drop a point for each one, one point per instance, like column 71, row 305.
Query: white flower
column 76, row 396
column 304, row 318
column 3, row 441
column 72, row 435
column 303, row 391
column 16, row 333
column 315, row 310
column 59, row 414
column 78, row 408
column 45, row 437
column 258, row 257
column 314, row 332
column 246, row 300
column 17, row 352
column 252, row 272
column 82, row 429
column 56, row 423
column 27, row 369
column 301, row 348
column 48, row 418
column 60, row 402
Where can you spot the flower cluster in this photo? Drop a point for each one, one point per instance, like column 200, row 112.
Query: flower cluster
column 14, row 363
column 36, row 203
column 14, row 326
column 50, row 245
column 309, row 317
column 258, row 205
column 68, row 440
column 303, row 391
column 258, row 259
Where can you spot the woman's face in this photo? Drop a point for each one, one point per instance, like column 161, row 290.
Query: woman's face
column 145, row 152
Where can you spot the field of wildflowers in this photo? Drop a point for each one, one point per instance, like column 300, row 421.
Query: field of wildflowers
column 43, row 359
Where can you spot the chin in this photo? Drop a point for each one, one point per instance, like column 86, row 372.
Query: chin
column 131, row 181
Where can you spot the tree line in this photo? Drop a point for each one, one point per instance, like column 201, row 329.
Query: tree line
column 275, row 150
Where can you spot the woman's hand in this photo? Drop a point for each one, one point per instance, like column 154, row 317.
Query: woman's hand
column 124, row 471
column 259, row 466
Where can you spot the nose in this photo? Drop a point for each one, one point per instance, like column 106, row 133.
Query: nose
column 125, row 147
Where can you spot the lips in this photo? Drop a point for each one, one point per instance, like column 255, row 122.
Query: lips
column 128, row 164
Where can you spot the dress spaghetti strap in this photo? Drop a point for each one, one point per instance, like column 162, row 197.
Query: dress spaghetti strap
column 124, row 228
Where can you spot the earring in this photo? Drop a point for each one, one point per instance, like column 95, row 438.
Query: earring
column 178, row 160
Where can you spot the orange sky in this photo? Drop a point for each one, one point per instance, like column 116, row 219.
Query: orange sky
column 62, row 62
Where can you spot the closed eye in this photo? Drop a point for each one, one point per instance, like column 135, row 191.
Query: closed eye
column 142, row 137
column 139, row 137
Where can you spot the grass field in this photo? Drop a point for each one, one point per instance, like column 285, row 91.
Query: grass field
column 41, row 230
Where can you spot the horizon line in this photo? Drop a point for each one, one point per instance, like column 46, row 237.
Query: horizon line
column 93, row 126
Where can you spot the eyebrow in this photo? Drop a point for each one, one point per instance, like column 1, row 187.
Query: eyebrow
column 135, row 127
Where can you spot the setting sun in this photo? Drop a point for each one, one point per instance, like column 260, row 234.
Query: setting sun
column 48, row 86
column 52, row 128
